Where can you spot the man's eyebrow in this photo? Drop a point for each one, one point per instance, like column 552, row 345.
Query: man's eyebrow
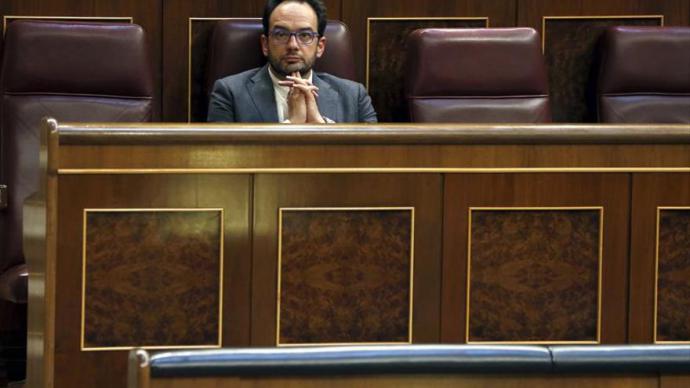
column 298, row 30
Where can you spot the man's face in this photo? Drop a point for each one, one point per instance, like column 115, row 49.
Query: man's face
column 292, row 56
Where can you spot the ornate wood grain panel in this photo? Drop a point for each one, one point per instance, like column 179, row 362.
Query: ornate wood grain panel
column 313, row 190
column 151, row 278
column 673, row 275
column 534, row 274
column 387, row 62
column 345, row 275
column 569, row 44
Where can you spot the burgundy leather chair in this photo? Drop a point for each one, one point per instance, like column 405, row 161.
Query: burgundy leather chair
column 488, row 75
column 73, row 72
column 644, row 76
column 235, row 47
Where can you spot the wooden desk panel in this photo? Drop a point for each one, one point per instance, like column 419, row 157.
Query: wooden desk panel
column 252, row 171
column 651, row 191
column 75, row 367
column 536, row 191
column 419, row 191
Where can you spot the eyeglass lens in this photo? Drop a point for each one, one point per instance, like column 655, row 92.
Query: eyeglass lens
column 283, row 36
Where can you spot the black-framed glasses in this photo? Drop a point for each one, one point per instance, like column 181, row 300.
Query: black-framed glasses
column 304, row 37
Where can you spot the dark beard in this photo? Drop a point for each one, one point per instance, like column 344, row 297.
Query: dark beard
column 282, row 72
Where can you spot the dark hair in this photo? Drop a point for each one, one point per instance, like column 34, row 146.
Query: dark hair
column 316, row 5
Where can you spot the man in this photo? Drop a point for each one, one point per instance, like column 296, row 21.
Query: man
column 286, row 89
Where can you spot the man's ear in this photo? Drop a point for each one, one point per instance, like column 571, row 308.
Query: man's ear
column 320, row 46
column 264, row 45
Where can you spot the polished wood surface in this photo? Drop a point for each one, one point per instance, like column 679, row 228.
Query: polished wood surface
column 421, row 191
column 167, row 262
column 533, row 274
column 462, row 191
column 674, row 381
column 672, row 275
column 649, row 191
column 78, row 192
column 333, row 258
column 251, row 172
column 439, row 134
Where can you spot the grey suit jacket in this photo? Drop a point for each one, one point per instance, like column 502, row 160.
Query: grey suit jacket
column 249, row 97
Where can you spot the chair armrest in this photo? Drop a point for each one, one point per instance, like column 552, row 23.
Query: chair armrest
column 3, row 196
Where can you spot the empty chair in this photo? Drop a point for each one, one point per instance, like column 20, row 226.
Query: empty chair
column 235, row 47
column 73, row 72
column 644, row 76
column 485, row 75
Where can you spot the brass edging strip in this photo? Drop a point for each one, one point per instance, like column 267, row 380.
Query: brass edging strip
column 317, row 170
column 418, row 18
column 190, row 21
column 656, row 274
column 221, row 212
column 278, row 293
column 535, row 208
column 6, row 19
column 592, row 17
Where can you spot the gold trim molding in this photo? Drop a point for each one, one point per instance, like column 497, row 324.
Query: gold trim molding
column 362, row 170
column 659, row 209
column 220, row 211
column 534, row 208
column 591, row 17
column 331, row 209
column 419, row 18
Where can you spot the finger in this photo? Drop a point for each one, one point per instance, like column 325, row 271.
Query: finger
column 286, row 83
column 299, row 80
column 309, row 92
column 307, row 89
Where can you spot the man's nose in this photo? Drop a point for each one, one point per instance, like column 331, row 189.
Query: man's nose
column 292, row 41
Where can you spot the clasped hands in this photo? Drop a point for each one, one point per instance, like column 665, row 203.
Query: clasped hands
column 301, row 100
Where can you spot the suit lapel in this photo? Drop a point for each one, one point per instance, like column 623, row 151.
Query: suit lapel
column 328, row 100
column 260, row 90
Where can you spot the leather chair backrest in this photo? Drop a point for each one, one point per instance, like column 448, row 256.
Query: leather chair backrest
column 477, row 75
column 75, row 72
column 235, row 47
column 644, row 76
